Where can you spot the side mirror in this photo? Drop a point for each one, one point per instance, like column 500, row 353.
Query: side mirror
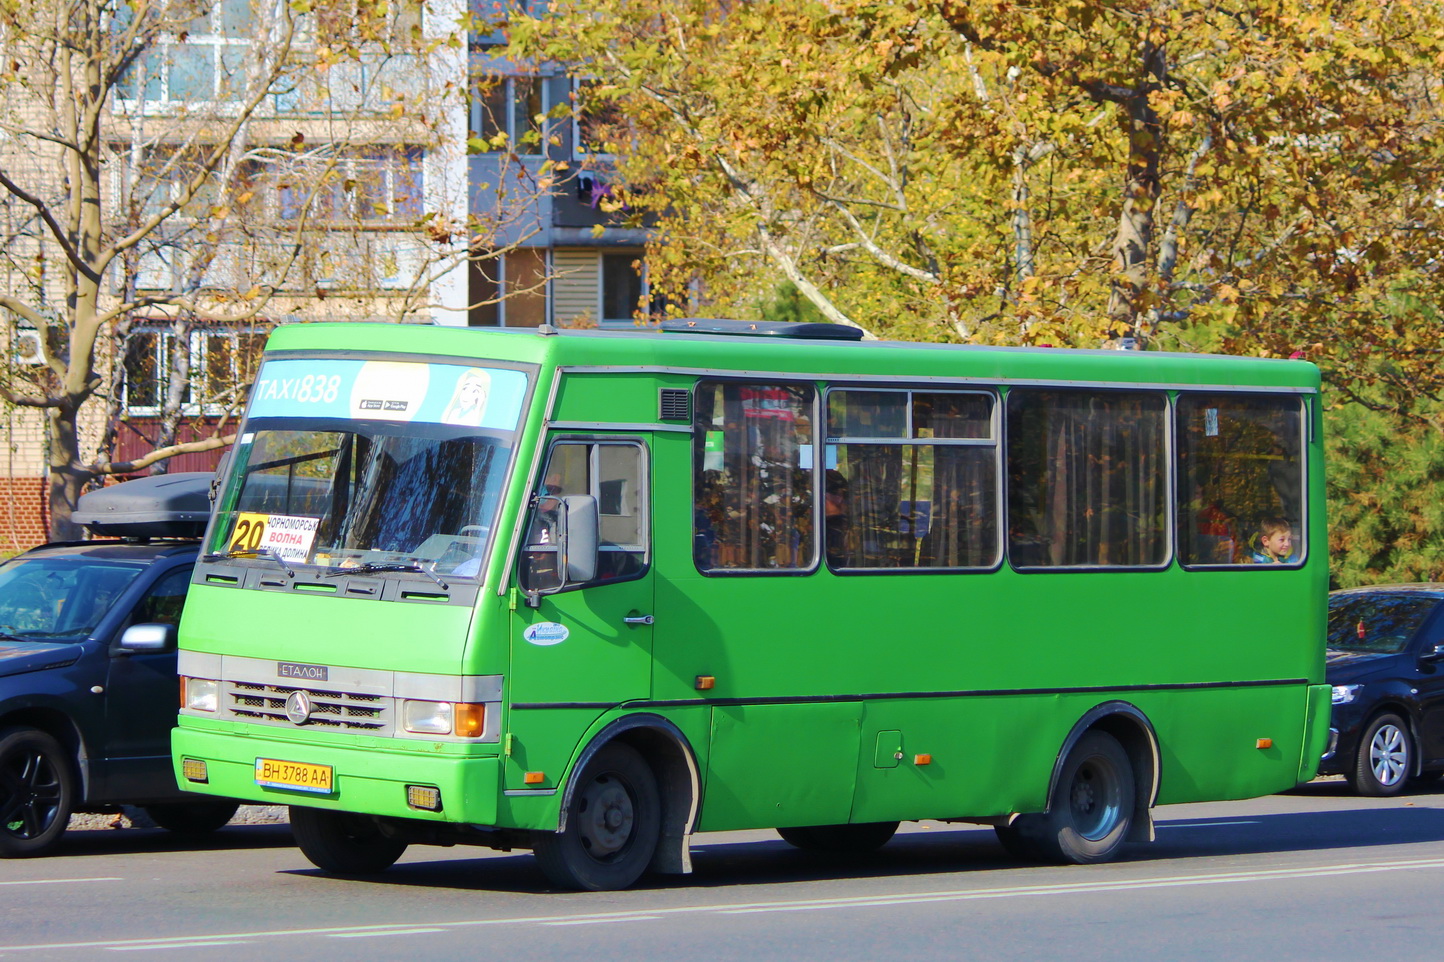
column 580, row 532
column 1432, row 654
column 223, row 467
column 154, row 637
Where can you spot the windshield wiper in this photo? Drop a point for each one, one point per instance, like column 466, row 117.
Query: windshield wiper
column 266, row 553
column 387, row 566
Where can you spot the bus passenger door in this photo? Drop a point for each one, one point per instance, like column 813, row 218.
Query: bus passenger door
column 585, row 648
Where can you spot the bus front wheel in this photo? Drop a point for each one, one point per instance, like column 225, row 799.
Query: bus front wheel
column 1089, row 812
column 612, row 827
column 343, row 843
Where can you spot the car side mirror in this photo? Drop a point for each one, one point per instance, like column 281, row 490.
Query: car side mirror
column 1432, row 654
column 153, row 637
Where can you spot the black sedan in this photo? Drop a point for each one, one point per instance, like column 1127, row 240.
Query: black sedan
column 1386, row 666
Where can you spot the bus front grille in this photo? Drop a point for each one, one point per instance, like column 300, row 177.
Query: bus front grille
column 266, row 704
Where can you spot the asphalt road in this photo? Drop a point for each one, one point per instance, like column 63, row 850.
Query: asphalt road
column 1314, row 874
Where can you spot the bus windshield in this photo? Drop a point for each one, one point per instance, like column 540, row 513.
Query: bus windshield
column 350, row 496
column 396, row 486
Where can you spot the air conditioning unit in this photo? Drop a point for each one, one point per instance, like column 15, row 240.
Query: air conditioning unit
column 27, row 348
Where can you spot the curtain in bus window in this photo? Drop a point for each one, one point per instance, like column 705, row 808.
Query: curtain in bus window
column 1240, row 473
column 925, row 503
column 1086, row 481
column 754, row 470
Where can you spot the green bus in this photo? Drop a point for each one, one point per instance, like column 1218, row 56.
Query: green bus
column 589, row 593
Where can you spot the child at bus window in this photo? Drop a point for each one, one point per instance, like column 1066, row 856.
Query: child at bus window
column 1275, row 542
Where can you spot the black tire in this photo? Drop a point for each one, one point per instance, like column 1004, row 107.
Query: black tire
column 192, row 818
column 841, row 840
column 1385, row 758
column 613, row 823
column 37, row 792
column 1089, row 811
column 342, row 843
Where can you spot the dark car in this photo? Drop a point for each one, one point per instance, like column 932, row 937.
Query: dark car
column 88, row 689
column 1386, row 666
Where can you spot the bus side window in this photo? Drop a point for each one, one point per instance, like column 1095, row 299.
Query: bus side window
column 753, row 477
column 1087, row 478
column 1240, row 471
column 613, row 472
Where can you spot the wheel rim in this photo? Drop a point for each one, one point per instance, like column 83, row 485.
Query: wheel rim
column 1389, row 755
column 606, row 817
column 1095, row 800
column 30, row 784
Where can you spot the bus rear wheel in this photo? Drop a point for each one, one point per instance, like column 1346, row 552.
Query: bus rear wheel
column 859, row 839
column 1089, row 811
column 342, row 843
column 612, row 827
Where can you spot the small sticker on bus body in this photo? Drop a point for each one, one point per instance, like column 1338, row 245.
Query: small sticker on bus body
column 546, row 633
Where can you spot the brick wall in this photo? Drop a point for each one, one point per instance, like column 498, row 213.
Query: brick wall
column 24, row 515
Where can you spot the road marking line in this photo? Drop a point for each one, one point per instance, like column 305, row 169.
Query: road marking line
column 862, row 901
column 606, row 921
column 174, row 945
column 371, row 935
column 60, row 881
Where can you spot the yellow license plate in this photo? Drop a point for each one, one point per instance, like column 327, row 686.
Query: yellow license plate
column 296, row 776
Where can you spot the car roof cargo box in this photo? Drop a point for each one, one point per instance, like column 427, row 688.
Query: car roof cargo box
column 162, row 506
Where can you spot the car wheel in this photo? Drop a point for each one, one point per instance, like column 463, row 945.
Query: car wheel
column 343, row 843
column 192, row 818
column 1385, row 759
column 37, row 792
column 858, row 839
column 1089, row 811
column 613, row 823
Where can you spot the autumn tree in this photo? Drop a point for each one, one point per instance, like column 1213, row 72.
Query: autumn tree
column 1260, row 177
column 174, row 166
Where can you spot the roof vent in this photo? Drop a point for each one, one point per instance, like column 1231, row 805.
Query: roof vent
column 674, row 404
column 786, row 329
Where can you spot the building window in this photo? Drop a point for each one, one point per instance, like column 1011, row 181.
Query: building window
column 201, row 61
column 509, row 290
column 374, row 21
column 622, row 287
column 222, row 363
column 507, row 115
column 598, row 124
column 377, row 186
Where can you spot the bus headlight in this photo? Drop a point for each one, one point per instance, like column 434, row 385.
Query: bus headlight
column 200, row 694
column 1343, row 694
column 443, row 718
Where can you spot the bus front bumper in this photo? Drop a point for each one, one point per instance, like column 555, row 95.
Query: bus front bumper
column 366, row 780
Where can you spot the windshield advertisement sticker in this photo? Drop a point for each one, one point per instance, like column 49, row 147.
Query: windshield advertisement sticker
column 389, row 391
column 546, row 633
column 288, row 537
